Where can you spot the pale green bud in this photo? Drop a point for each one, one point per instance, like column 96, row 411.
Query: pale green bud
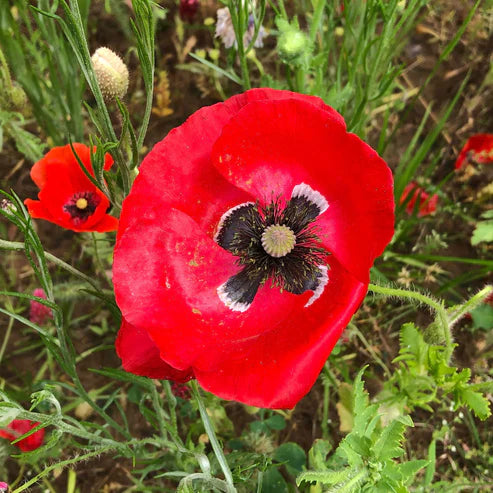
column 111, row 73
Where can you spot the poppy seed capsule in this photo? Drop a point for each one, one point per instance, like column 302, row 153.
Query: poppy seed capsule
column 278, row 240
column 111, row 73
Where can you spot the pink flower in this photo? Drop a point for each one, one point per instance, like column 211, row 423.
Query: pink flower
column 39, row 313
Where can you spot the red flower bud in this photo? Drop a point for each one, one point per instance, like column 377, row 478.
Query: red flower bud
column 39, row 313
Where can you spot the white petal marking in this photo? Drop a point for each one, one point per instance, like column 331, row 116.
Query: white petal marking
column 322, row 282
column 226, row 215
column 236, row 306
column 304, row 190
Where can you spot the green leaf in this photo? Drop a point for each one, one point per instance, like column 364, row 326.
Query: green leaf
column 408, row 470
column 324, row 477
column 317, row 455
column 7, row 415
column 293, row 457
column 388, row 444
column 476, row 402
column 273, row 482
column 276, row 422
column 482, row 316
column 483, row 232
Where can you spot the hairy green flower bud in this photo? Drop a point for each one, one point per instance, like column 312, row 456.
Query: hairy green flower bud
column 293, row 44
column 433, row 334
column 111, row 73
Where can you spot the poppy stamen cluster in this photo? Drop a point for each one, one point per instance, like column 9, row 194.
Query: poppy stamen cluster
column 278, row 242
column 81, row 206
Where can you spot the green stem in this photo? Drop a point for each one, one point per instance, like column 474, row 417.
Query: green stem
column 18, row 246
column 63, row 463
column 316, row 20
column 442, row 315
column 212, row 437
column 470, row 304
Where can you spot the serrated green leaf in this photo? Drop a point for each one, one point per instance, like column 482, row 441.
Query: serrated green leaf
column 324, row 477
column 408, row 469
column 317, row 455
column 388, row 444
column 476, row 402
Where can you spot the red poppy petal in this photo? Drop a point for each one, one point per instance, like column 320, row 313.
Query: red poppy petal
column 276, row 369
column 268, row 148
column 37, row 210
column 237, row 102
column 140, row 355
column 19, row 427
column 478, row 148
column 178, row 171
column 166, row 273
column 108, row 223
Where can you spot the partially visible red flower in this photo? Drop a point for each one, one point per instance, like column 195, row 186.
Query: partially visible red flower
column 19, row 427
column 181, row 390
column 4, row 487
column 67, row 197
column 140, row 355
column 478, row 148
column 188, row 9
column 245, row 244
column 39, row 313
column 426, row 205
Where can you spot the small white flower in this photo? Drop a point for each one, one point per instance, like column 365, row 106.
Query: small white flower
column 225, row 30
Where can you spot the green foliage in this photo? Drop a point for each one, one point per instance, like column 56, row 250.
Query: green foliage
column 42, row 64
column 424, row 372
column 365, row 459
column 484, row 229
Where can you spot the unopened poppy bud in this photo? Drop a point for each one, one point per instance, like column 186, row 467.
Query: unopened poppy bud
column 293, row 44
column 111, row 73
column 18, row 98
column 433, row 334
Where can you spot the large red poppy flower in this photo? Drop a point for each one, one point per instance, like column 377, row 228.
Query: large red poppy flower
column 478, row 148
column 245, row 246
column 414, row 193
column 19, row 427
column 67, row 197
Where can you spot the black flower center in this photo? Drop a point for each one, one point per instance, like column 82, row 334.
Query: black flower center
column 278, row 241
column 81, row 206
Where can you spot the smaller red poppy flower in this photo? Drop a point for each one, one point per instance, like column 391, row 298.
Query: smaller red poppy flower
column 4, row 487
column 67, row 197
column 39, row 313
column 478, row 149
column 19, row 427
column 426, row 204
